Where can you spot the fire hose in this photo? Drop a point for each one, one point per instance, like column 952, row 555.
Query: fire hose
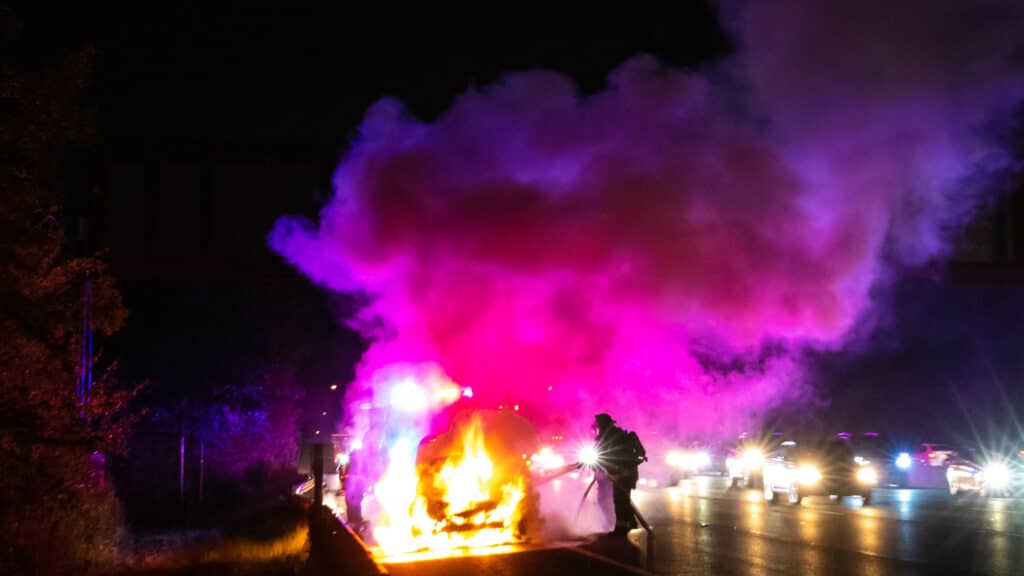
column 636, row 513
column 539, row 481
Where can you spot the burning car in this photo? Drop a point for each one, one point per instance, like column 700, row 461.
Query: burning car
column 468, row 487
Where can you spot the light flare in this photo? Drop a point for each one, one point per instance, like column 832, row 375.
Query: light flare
column 808, row 474
column 753, row 457
column 997, row 476
column 547, row 459
column 588, row 455
column 903, row 461
column 867, row 475
column 688, row 460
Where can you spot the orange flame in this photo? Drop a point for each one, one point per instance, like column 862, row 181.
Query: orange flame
column 460, row 499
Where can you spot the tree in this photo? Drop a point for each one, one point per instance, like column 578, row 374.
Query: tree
column 55, row 514
column 249, row 419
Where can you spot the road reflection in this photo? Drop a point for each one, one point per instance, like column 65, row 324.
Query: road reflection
column 702, row 526
column 901, row 531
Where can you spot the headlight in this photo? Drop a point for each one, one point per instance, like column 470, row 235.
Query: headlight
column 753, row 457
column 701, row 459
column 997, row 475
column 867, row 475
column 903, row 461
column 808, row 475
column 691, row 461
column 674, row 459
column 548, row 459
column 588, row 455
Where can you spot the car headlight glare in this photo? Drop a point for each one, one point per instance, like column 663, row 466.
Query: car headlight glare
column 674, row 459
column 691, row 461
column 997, row 475
column 701, row 459
column 753, row 457
column 808, row 475
column 867, row 475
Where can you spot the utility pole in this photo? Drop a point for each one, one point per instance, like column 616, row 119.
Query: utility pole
column 84, row 384
column 202, row 469
column 181, row 467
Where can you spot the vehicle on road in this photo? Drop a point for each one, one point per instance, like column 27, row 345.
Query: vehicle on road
column 689, row 460
column 1000, row 475
column 964, row 476
column 744, row 465
column 932, row 454
column 890, row 459
column 672, row 461
column 816, row 467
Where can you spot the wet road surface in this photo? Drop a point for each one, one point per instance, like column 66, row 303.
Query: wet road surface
column 702, row 527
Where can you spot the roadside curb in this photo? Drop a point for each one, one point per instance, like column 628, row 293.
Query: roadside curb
column 336, row 549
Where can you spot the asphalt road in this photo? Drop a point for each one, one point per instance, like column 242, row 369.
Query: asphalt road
column 702, row 527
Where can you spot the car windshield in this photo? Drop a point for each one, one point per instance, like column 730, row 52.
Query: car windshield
column 830, row 450
column 870, row 446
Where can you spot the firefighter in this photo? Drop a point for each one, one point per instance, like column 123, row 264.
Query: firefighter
column 620, row 453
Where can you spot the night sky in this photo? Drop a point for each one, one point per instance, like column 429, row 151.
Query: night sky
column 237, row 81
column 240, row 84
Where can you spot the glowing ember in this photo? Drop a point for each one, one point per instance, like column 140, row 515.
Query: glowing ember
column 454, row 495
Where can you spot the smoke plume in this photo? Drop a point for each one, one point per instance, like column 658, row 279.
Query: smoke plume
column 658, row 250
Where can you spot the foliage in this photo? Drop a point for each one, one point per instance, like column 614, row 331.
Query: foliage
column 56, row 514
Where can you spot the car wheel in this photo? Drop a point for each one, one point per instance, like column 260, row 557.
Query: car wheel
column 769, row 493
column 865, row 498
column 794, row 495
column 735, row 483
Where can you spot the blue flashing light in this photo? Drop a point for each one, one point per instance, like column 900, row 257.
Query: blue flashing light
column 903, row 461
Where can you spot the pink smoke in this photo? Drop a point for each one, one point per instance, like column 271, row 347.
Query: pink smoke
column 578, row 254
